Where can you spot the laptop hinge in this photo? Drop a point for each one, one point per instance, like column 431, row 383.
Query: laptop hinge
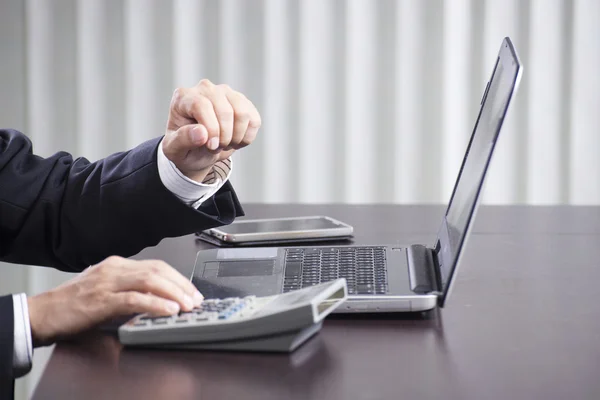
column 422, row 269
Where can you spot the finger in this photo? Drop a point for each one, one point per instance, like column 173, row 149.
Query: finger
column 180, row 113
column 253, row 126
column 242, row 109
column 125, row 303
column 206, row 92
column 146, row 281
column 195, row 106
column 205, row 115
column 225, row 115
column 250, row 135
column 167, row 271
column 177, row 145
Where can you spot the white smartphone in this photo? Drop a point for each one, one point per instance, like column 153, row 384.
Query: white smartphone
column 290, row 229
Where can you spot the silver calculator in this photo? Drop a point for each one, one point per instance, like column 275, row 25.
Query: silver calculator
column 279, row 323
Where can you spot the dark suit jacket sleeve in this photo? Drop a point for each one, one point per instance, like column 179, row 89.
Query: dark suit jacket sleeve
column 70, row 214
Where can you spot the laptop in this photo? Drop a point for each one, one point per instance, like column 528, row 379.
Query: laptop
column 380, row 278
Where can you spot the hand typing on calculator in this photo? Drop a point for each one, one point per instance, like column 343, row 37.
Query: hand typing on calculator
column 115, row 287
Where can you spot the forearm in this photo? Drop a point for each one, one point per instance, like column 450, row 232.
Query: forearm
column 70, row 214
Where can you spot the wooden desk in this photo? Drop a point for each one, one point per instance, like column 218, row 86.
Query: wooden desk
column 523, row 322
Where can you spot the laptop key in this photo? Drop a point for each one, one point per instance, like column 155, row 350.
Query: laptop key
column 364, row 289
column 293, row 269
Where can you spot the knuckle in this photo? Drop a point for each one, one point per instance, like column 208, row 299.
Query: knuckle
column 238, row 95
column 146, row 280
column 161, row 264
column 130, row 300
column 158, row 266
column 147, row 266
column 109, row 263
column 204, row 109
column 98, row 268
column 113, row 260
column 178, row 93
column 225, row 112
column 153, row 268
column 212, row 129
column 255, row 123
column 205, row 84
column 243, row 114
column 178, row 97
column 203, row 103
column 225, row 87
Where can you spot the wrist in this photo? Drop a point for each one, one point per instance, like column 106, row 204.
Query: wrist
column 197, row 176
column 39, row 336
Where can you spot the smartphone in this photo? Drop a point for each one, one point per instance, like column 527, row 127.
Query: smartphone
column 280, row 230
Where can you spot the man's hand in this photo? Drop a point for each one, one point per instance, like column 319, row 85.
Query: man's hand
column 115, row 287
column 207, row 123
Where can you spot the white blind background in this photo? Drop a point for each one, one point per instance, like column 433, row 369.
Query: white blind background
column 362, row 101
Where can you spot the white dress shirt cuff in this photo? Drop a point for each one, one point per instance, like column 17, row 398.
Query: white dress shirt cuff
column 22, row 345
column 187, row 190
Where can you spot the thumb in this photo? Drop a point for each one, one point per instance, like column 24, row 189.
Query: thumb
column 177, row 144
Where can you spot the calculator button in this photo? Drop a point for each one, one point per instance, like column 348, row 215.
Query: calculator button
column 160, row 321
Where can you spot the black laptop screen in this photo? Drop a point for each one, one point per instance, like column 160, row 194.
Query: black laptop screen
column 475, row 164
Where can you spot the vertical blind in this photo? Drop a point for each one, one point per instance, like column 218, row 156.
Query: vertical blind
column 362, row 101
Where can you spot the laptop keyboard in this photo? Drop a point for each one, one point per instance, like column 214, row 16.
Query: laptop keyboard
column 364, row 268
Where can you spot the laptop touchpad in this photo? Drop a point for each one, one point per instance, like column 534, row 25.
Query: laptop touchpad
column 239, row 272
column 228, row 269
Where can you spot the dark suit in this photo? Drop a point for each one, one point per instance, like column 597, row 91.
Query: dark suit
column 69, row 214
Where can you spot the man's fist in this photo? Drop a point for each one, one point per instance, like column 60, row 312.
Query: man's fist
column 207, row 123
column 113, row 288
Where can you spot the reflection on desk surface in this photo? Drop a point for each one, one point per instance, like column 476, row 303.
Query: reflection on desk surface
column 321, row 368
column 229, row 375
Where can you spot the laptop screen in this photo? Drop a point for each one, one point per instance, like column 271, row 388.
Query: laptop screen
column 467, row 189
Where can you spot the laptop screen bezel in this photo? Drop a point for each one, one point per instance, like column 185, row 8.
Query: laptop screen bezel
column 508, row 57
